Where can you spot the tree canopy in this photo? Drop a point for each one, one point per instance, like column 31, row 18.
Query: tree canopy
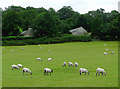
column 102, row 25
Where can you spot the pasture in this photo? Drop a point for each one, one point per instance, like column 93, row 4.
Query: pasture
column 89, row 55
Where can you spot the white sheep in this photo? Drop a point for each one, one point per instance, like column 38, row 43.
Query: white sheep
column 12, row 50
column 83, row 70
column 70, row 64
column 3, row 48
column 64, row 64
column 39, row 59
column 15, row 67
column 104, row 44
column 22, row 48
column 112, row 52
column 40, row 47
column 27, row 70
column 106, row 49
column 20, row 65
column 105, row 53
column 49, row 59
column 49, row 50
column 100, row 70
column 47, row 70
column 76, row 64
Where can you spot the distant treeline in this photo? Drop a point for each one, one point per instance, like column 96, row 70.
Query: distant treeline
column 51, row 23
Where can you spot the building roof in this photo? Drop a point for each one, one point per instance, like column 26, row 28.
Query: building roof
column 78, row 31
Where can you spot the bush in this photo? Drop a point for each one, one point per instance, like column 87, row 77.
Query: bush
column 16, row 38
column 46, row 40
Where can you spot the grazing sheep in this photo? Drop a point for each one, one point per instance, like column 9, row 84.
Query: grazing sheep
column 27, row 70
column 104, row 44
column 76, row 64
column 22, row 48
column 49, row 50
column 39, row 59
column 100, row 70
column 15, row 67
column 105, row 53
column 70, row 64
column 64, row 64
column 20, row 65
column 47, row 70
column 40, row 47
column 12, row 50
column 83, row 70
column 49, row 59
column 112, row 52
column 106, row 49
column 3, row 48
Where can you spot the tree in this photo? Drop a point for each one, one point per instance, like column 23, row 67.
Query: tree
column 11, row 21
column 45, row 25
column 65, row 12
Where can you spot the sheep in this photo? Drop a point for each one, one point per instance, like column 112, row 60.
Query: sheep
column 83, row 70
column 106, row 49
column 20, row 65
column 64, row 64
column 39, row 59
column 70, row 64
column 112, row 52
column 40, row 47
column 76, row 64
column 22, row 48
column 49, row 59
column 3, row 48
column 104, row 44
column 105, row 53
column 47, row 70
column 26, row 70
column 15, row 67
column 100, row 70
column 49, row 50
column 12, row 50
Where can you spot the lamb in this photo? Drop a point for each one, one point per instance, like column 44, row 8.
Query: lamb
column 105, row 53
column 49, row 59
column 64, row 64
column 27, row 70
column 70, row 64
column 47, row 70
column 83, row 70
column 15, row 67
column 100, row 70
column 20, row 65
column 76, row 64
column 39, row 59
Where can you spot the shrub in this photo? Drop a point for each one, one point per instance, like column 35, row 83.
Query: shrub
column 46, row 40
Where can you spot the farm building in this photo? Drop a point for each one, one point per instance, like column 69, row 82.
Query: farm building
column 27, row 33
column 78, row 31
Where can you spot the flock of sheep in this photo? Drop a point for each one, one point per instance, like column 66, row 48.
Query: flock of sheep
column 83, row 70
column 48, row 70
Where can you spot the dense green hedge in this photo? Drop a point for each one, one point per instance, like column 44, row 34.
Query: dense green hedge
column 46, row 40
column 16, row 38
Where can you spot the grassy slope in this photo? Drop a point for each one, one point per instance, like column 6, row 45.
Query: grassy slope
column 88, row 54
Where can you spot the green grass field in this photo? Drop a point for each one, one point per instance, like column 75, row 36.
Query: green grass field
column 88, row 54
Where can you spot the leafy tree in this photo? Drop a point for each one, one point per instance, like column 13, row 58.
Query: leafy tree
column 45, row 25
column 11, row 21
